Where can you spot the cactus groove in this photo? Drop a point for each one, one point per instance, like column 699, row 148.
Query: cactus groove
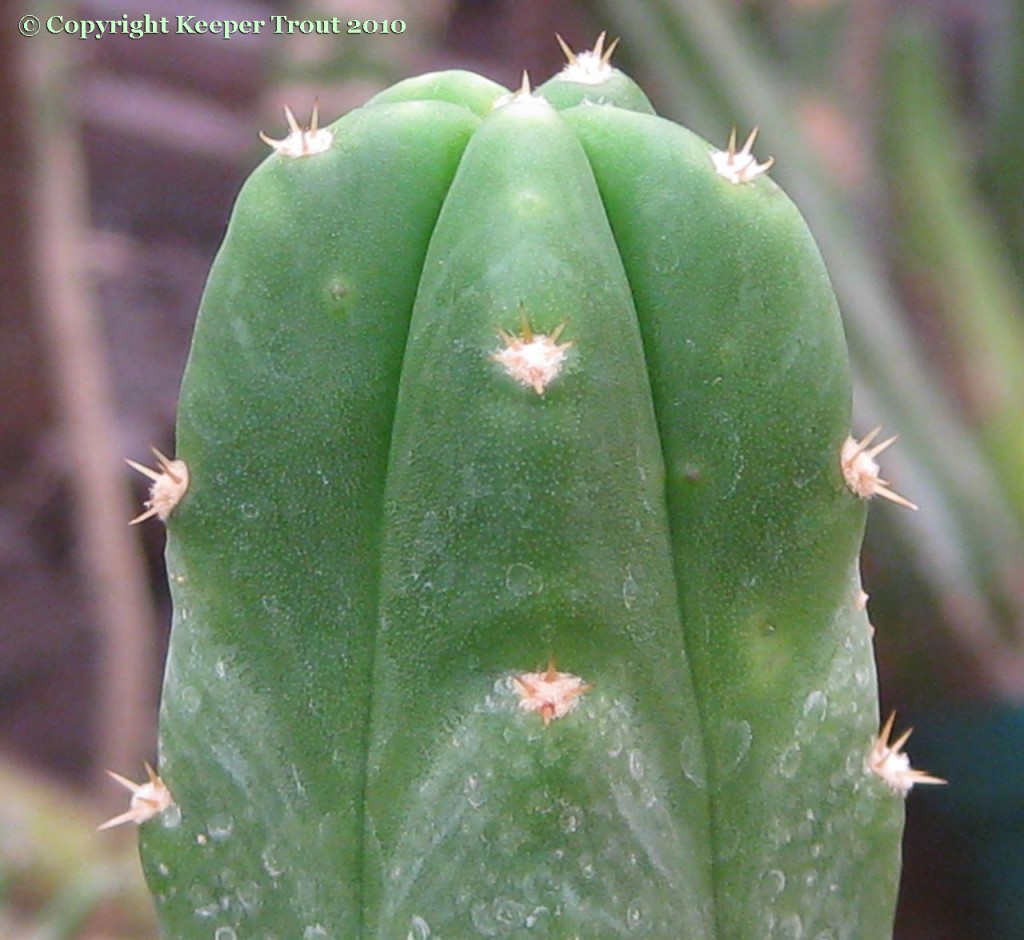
column 516, row 583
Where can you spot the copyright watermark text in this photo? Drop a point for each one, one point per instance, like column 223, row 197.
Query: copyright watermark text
column 138, row 27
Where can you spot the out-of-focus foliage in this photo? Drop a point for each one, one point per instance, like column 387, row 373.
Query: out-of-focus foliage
column 56, row 869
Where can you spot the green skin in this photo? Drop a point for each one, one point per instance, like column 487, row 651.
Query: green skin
column 383, row 529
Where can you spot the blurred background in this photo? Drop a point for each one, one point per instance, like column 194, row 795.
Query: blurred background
column 898, row 128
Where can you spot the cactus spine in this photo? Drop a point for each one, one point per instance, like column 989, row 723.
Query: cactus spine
column 516, row 586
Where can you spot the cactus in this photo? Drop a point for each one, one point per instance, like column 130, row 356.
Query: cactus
column 516, row 581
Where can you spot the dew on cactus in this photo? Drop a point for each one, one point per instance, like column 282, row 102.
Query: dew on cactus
column 486, row 378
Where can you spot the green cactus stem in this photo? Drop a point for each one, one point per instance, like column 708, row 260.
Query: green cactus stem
column 516, row 584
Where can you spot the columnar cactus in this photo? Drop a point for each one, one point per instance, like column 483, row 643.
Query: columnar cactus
column 516, row 585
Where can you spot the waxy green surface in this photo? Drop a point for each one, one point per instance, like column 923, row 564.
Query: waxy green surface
column 384, row 529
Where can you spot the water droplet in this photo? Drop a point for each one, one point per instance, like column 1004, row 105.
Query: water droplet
column 790, row 927
column 636, row 765
column 778, row 831
column 733, row 745
column 816, row 706
column 300, row 786
column 199, row 895
column 249, row 511
column 691, row 757
column 220, row 669
column 248, row 895
column 523, row 580
column 419, row 929
column 507, row 911
column 569, row 819
column 480, row 914
column 473, row 793
column 615, row 739
column 854, row 764
column 271, row 865
column 338, row 288
column 630, row 589
column 170, row 818
column 496, row 918
column 530, row 921
column 225, row 933
column 771, row 885
column 220, row 827
column 866, row 809
column 634, row 915
column 315, row 932
column 789, row 761
column 505, row 686
column 190, row 700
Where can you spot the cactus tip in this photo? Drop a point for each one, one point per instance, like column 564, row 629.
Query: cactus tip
column 170, row 483
column 590, row 67
column 299, row 142
column 888, row 761
column 554, row 694
column 148, row 799
column 532, row 359
column 861, row 470
column 740, row 166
